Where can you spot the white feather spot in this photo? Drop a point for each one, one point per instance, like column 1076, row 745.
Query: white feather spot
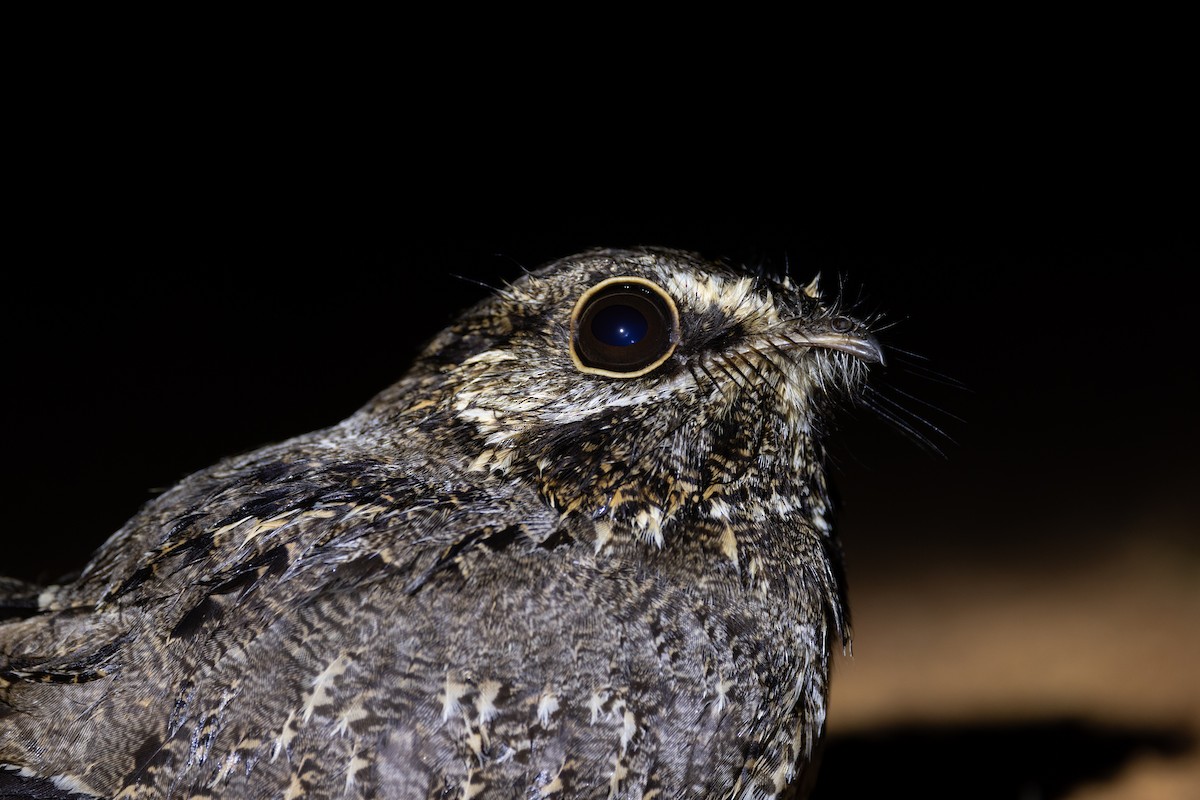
column 719, row 509
column 73, row 783
column 323, row 683
column 729, row 546
column 628, row 730
column 603, row 533
column 284, row 739
column 356, row 763
column 781, row 504
column 486, row 704
column 353, row 713
column 547, row 705
column 46, row 598
column 723, row 686
column 649, row 521
column 452, row 693
column 596, row 703
column 480, row 464
column 227, row 765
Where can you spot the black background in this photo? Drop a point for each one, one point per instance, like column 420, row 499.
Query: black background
column 1043, row 333
column 190, row 274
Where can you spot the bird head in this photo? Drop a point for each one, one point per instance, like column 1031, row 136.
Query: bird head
column 634, row 386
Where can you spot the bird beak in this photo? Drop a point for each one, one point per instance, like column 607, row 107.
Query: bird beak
column 858, row 344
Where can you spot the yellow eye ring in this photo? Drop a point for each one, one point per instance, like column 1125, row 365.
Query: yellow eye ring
column 623, row 327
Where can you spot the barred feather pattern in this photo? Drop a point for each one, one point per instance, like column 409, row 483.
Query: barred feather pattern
column 502, row 578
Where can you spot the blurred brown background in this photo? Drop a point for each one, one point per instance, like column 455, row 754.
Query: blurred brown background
column 1024, row 568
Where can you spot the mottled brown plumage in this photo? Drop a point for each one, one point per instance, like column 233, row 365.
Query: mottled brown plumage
column 522, row 571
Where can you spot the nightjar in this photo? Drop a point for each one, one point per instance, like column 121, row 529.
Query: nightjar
column 582, row 549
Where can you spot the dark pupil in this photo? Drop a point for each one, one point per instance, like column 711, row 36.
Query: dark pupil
column 619, row 325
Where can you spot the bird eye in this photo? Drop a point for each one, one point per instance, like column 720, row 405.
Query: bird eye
column 623, row 327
